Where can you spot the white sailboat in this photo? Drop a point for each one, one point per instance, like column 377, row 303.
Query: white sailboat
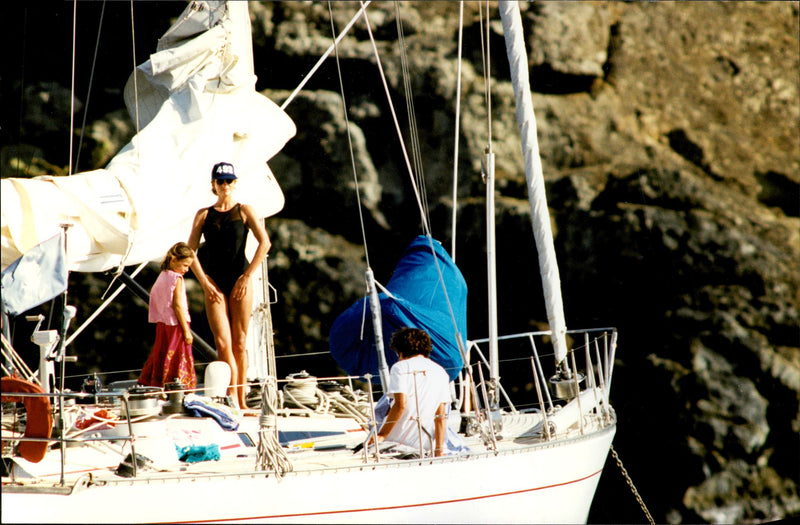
column 124, row 455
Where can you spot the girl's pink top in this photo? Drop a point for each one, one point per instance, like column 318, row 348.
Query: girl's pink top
column 161, row 299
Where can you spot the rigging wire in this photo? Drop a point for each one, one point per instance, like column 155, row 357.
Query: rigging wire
column 72, row 85
column 325, row 55
column 17, row 160
column 132, row 233
column 349, row 138
column 456, row 137
column 488, row 77
column 414, row 179
column 89, row 89
column 135, row 76
column 421, row 184
column 103, row 306
column 397, row 125
column 485, row 52
column 416, row 152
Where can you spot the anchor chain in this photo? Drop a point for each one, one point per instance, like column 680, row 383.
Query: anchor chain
column 633, row 488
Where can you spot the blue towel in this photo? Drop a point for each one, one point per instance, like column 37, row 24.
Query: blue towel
column 204, row 407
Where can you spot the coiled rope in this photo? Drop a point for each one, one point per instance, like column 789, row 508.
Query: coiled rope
column 269, row 454
column 302, row 391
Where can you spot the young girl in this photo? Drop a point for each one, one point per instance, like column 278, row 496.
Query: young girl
column 171, row 356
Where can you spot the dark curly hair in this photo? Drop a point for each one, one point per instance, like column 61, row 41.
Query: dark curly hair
column 408, row 342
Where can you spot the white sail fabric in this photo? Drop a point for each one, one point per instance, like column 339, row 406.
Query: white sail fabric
column 198, row 106
column 540, row 216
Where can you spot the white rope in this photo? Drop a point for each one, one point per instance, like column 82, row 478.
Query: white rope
column 269, row 453
column 304, row 393
column 349, row 403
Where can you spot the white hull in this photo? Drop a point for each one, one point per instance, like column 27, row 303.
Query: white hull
column 541, row 465
column 545, row 483
column 529, row 467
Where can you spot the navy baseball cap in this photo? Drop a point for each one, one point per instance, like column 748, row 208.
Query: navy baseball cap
column 223, row 171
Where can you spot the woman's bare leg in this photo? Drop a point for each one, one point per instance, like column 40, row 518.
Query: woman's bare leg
column 220, row 326
column 241, row 312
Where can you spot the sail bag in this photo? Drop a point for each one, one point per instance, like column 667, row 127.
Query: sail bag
column 425, row 286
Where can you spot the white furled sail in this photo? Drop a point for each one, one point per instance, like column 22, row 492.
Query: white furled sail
column 197, row 106
column 540, row 216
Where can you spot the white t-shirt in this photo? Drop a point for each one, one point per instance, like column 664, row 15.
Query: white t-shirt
column 426, row 385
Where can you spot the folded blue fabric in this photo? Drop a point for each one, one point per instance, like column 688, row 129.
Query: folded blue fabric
column 205, row 407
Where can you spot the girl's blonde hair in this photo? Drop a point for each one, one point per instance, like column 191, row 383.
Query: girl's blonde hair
column 179, row 250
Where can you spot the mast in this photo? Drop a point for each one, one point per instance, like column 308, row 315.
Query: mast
column 377, row 326
column 491, row 246
column 540, row 216
column 491, row 270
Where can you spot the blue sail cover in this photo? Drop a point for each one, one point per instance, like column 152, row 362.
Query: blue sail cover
column 417, row 300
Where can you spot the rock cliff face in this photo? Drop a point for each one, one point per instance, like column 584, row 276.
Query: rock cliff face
column 670, row 141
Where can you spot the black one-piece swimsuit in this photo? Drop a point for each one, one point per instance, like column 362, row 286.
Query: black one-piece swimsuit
column 222, row 255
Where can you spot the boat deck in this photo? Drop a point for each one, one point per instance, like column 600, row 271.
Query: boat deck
column 309, row 443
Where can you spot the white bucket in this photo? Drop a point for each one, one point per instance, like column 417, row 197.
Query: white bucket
column 217, row 379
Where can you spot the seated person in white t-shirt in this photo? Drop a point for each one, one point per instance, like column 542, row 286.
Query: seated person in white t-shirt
column 420, row 391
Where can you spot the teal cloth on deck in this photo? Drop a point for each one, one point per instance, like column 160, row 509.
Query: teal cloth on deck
column 197, row 453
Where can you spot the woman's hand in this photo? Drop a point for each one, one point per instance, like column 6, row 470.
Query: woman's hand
column 188, row 338
column 240, row 288
column 212, row 292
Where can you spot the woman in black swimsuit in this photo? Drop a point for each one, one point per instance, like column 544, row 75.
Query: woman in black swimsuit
column 224, row 272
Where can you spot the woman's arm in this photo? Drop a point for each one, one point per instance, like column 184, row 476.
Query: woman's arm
column 211, row 291
column 256, row 226
column 178, row 306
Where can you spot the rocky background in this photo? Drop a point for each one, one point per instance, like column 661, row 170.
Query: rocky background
column 670, row 140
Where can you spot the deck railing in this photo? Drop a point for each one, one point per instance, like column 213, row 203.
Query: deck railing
column 524, row 357
column 59, row 399
column 590, row 364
